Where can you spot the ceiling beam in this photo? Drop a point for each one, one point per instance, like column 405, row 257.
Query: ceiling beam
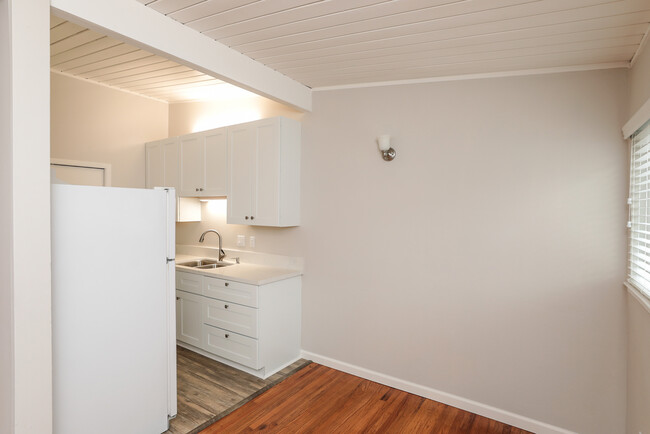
column 136, row 24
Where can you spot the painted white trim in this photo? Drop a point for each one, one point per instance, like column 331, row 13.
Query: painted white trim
column 437, row 395
column 644, row 41
column 87, row 80
column 538, row 71
column 90, row 164
column 143, row 27
column 637, row 120
column 638, row 295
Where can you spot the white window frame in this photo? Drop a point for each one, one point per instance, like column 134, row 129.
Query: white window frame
column 635, row 130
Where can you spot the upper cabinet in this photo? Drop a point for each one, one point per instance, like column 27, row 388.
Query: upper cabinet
column 264, row 173
column 162, row 166
column 204, row 163
column 256, row 165
column 162, row 163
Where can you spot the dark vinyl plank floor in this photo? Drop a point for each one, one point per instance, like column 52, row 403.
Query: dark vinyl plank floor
column 208, row 390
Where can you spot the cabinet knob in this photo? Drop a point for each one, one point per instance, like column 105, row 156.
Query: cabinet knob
column 196, row 189
column 226, row 283
column 178, row 298
column 226, row 335
column 246, row 217
column 225, row 306
column 200, row 189
column 252, row 217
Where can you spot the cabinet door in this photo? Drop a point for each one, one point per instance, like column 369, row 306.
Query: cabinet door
column 170, row 163
column 216, row 162
column 192, row 157
column 266, row 176
column 154, row 165
column 189, row 321
column 241, row 148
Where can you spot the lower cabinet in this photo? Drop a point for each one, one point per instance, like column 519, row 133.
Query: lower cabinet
column 188, row 318
column 252, row 328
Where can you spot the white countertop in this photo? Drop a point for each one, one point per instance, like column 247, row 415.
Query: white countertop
column 245, row 273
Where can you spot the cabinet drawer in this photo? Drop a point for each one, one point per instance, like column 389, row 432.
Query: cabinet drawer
column 235, row 292
column 229, row 345
column 230, row 316
column 188, row 282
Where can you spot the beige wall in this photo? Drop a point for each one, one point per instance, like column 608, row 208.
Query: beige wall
column 190, row 117
column 94, row 123
column 6, row 228
column 638, row 385
column 640, row 81
column 638, row 377
column 486, row 261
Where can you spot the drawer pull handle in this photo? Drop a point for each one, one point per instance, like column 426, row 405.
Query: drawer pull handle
column 225, row 306
column 226, row 283
column 227, row 335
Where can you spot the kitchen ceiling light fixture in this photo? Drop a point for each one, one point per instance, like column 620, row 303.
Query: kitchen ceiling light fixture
column 387, row 152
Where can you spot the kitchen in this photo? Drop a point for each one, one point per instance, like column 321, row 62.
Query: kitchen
column 393, row 231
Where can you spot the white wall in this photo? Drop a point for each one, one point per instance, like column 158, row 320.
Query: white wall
column 638, row 374
column 486, row 260
column 95, row 123
column 25, row 290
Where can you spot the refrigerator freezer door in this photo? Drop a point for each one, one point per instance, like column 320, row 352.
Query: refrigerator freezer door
column 109, row 310
column 171, row 300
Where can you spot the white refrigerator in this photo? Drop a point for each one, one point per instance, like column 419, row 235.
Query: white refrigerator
column 113, row 309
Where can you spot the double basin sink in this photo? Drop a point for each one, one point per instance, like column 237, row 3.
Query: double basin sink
column 205, row 264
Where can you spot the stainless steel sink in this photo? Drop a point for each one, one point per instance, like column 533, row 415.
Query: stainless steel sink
column 205, row 264
column 217, row 265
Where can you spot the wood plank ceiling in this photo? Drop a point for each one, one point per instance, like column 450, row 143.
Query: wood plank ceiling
column 341, row 42
column 323, row 43
column 82, row 53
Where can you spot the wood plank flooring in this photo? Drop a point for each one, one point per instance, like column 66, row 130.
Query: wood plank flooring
column 318, row 399
column 208, row 390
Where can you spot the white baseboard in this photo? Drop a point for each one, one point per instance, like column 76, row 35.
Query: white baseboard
column 437, row 395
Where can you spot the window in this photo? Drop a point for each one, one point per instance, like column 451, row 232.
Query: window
column 639, row 206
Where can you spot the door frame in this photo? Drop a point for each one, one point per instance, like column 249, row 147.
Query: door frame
column 88, row 164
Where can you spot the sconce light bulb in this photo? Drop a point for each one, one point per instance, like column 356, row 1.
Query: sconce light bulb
column 384, row 142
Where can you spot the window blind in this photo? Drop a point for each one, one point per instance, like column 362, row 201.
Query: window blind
column 639, row 211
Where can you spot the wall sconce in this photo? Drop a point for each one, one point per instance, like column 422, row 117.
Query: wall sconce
column 387, row 152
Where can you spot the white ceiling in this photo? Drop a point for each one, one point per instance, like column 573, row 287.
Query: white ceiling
column 82, row 53
column 323, row 43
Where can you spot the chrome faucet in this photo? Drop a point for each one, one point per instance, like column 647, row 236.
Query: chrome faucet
column 222, row 254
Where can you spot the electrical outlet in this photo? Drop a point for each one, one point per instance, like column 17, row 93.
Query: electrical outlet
column 241, row 241
column 251, row 241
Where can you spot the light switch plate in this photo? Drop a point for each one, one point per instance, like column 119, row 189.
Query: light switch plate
column 241, row 241
column 251, row 241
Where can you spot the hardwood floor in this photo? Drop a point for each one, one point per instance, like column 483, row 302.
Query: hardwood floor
column 318, row 399
column 208, row 390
